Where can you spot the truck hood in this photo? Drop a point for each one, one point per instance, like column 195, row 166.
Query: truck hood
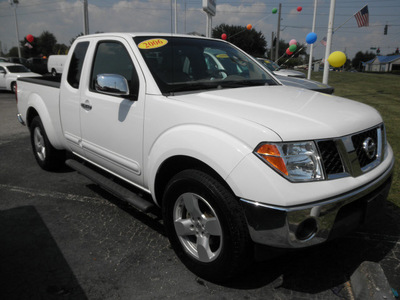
column 294, row 114
column 22, row 75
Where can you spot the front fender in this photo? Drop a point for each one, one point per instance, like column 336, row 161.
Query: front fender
column 218, row 149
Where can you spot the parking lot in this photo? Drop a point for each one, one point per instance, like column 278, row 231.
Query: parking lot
column 62, row 237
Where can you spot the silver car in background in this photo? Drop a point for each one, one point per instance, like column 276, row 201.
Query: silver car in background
column 295, row 78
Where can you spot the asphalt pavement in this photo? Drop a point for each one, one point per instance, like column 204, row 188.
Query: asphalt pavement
column 63, row 237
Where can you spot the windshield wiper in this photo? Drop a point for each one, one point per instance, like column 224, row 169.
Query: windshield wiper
column 244, row 83
column 217, row 84
column 192, row 86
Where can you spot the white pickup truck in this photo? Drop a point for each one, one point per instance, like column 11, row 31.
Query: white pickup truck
column 233, row 158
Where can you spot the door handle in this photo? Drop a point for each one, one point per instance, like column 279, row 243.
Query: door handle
column 86, row 105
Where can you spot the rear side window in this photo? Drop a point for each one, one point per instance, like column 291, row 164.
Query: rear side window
column 112, row 58
column 75, row 66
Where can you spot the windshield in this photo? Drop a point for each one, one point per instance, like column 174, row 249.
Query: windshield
column 189, row 64
column 271, row 65
column 18, row 69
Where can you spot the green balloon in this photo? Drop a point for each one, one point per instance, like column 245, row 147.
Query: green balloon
column 292, row 48
column 274, row 10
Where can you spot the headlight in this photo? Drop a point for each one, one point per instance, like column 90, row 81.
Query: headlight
column 297, row 161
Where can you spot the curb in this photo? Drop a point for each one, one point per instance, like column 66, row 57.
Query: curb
column 369, row 281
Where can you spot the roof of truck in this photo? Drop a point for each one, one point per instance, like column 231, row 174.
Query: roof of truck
column 137, row 34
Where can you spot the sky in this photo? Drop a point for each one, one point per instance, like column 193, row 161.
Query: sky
column 64, row 19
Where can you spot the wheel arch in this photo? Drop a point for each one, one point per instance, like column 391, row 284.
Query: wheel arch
column 176, row 164
column 36, row 107
column 30, row 115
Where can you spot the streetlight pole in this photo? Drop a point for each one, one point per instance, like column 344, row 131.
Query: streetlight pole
column 85, row 18
column 278, row 33
column 329, row 41
column 14, row 4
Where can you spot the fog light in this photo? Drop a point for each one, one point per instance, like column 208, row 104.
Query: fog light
column 307, row 229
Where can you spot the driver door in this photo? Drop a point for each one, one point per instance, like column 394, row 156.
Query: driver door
column 112, row 126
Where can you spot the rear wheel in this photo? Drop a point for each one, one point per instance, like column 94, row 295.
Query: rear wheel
column 48, row 157
column 206, row 226
column 53, row 72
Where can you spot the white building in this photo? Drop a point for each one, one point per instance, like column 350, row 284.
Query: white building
column 383, row 64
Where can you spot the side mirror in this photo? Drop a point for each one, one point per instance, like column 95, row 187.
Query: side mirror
column 112, row 84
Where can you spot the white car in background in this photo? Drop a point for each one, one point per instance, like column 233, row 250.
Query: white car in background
column 9, row 73
column 55, row 64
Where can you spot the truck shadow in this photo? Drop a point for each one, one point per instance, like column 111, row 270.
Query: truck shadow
column 330, row 265
column 32, row 266
column 312, row 270
column 153, row 219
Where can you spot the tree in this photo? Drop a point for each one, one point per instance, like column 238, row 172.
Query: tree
column 60, row 49
column 251, row 41
column 73, row 39
column 46, row 42
column 362, row 57
column 13, row 52
column 44, row 45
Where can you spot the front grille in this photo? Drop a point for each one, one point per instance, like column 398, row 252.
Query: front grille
column 347, row 156
column 330, row 157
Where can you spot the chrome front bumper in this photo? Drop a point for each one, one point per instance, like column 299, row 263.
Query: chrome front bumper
column 19, row 118
column 314, row 223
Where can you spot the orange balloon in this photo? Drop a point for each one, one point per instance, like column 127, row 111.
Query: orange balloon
column 249, row 26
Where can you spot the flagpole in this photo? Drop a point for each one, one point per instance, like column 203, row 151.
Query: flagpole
column 329, row 41
column 343, row 23
column 312, row 45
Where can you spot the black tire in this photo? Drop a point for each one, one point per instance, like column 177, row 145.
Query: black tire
column 13, row 87
column 48, row 157
column 215, row 221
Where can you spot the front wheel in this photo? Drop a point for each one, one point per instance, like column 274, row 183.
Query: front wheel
column 13, row 87
column 206, row 226
column 48, row 157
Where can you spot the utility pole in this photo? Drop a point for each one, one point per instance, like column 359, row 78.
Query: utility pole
column 272, row 47
column 14, row 4
column 184, row 28
column 176, row 20
column 278, row 32
column 85, row 18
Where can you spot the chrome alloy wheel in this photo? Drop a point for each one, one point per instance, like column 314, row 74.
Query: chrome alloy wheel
column 40, row 146
column 197, row 227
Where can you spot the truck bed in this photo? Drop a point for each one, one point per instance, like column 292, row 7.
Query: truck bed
column 53, row 81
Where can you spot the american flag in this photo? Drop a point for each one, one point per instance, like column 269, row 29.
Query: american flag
column 323, row 41
column 362, row 16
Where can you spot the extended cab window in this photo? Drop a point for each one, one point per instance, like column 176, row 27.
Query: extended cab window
column 75, row 66
column 113, row 58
